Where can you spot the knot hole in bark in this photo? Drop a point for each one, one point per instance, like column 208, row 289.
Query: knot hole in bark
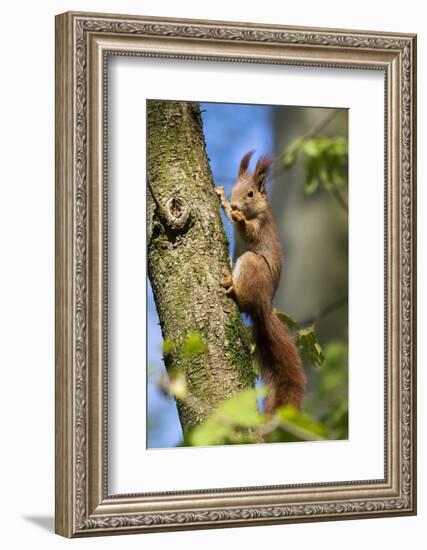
column 177, row 213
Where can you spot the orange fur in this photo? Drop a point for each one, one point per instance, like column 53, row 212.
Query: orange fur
column 256, row 275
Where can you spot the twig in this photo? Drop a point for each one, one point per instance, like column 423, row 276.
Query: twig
column 321, row 125
column 340, row 199
column 316, row 129
column 155, row 199
column 330, row 308
column 336, row 193
column 297, row 431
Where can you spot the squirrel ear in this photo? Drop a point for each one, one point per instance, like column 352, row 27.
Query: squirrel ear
column 244, row 163
column 261, row 172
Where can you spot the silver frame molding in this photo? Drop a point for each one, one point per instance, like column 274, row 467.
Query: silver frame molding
column 83, row 43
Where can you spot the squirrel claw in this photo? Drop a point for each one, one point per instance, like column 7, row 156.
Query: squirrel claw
column 220, row 191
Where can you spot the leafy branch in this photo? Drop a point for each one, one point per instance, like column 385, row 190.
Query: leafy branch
column 237, row 421
column 306, row 340
column 325, row 160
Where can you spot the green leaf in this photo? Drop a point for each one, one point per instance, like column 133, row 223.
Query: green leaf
column 235, row 421
column 287, row 320
column 339, row 146
column 337, row 176
column 324, row 175
column 291, row 153
column 310, row 185
column 241, row 409
column 211, row 432
column 311, row 351
column 325, row 161
column 304, row 425
column 289, row 158
column 312, row 147
column 193, row 344
column 311, row 180
column 168, row 347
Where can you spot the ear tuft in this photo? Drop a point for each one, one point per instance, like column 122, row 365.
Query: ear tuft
column 244, row 163
column 261, row 171
column 263, row 165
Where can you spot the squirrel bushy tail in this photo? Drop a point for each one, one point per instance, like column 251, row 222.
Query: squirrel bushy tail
column 279, row 360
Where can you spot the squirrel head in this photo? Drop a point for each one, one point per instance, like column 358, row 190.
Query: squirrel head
column 248, row 193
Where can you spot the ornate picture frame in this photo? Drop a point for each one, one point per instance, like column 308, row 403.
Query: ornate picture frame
column 83, row 43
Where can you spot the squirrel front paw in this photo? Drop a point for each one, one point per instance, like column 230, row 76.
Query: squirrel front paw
column 220, row 191
column 237, row 216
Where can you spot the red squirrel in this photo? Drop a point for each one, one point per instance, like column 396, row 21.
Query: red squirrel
column 254, row 282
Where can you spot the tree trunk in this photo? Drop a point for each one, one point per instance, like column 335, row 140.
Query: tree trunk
column 187, row 259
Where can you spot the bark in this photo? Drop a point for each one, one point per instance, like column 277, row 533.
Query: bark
column 187, row 259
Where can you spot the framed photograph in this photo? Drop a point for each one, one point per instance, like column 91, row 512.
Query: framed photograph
column 235, row 274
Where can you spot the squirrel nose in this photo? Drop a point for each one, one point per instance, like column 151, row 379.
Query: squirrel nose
column 233, row 206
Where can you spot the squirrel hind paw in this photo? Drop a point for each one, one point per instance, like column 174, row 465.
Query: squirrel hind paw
column 227, row 282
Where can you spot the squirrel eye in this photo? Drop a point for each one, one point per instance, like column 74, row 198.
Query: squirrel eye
column 250, row 194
